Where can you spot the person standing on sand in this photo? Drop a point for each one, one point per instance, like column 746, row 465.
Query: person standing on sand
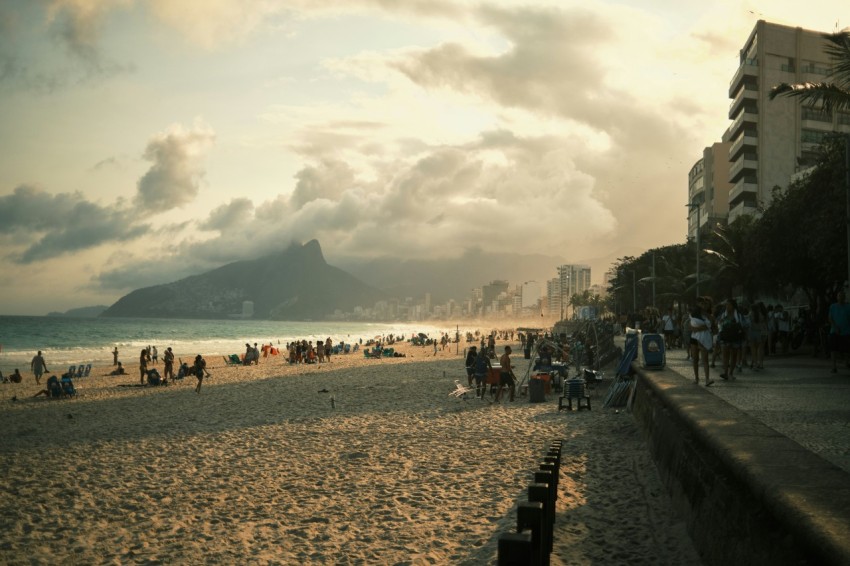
column 168, row 360
column 143, row 365
column 482, row 367
column 115, row 356
column 38, row 367
column 200, row 368
column 154, row 355
column 506, row 375
column 328, row 348
column 470, row 364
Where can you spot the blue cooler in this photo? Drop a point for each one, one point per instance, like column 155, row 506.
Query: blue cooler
column 651, row 351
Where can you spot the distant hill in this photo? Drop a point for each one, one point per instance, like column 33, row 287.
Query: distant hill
column 296, row 284
column 82, row 312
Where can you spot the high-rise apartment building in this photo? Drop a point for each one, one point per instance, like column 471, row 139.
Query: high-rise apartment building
column 772, row 139
column 708, row 188
column 574, row 279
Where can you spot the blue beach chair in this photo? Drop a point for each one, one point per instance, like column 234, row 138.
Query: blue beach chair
column 68, row 388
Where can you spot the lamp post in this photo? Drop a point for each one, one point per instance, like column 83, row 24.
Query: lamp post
column 694, row 205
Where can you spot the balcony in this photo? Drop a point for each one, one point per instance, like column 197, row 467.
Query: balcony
column 746, row 165
column 746, row 141
column 745, row 189
column 746, row 98
column 743, row 208
column 748, row 72
column 738, row 124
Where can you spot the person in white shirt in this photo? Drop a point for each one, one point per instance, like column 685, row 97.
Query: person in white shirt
column 701, row 341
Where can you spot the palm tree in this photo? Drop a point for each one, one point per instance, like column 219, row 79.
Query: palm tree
column 834, row 95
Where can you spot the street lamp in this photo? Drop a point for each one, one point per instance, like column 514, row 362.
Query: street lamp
column 692, row 206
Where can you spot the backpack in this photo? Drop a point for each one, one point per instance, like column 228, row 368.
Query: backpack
column 732, row 331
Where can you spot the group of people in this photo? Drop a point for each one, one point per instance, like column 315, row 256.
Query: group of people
column 735, row 334
column 478, row 366
column 304, row 351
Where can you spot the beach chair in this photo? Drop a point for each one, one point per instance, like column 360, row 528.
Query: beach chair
column 460, row 390
column 80, row 369
column 575, row 389
column 68, row 386
column 591, row 379
column 88, row 370
column 72, row 370
column 232, row 360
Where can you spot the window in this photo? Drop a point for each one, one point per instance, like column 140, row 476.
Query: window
column 815, row 68
column 812, row 136
column 809, row 113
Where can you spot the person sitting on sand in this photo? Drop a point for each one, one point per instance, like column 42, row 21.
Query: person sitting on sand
column 14, row 378
column 54, row 388
column 119, row 370
column 200, row 369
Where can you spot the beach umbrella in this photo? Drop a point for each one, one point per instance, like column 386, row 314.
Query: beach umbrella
column 423, row 335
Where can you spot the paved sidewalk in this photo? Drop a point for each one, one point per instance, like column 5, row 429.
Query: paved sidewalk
column 796, row 395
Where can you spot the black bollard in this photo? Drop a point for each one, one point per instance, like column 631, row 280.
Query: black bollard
column 515, row 549
column 529, row 515
column 539, row 493
column 546, row 477
column 555, row 462
column 550, row 467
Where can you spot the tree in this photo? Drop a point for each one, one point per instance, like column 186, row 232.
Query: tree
column 833, row 95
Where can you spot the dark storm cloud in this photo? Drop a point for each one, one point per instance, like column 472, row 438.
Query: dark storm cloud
column 174, row 177
column 53, row 225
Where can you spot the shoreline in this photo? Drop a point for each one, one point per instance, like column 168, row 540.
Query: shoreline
column 261, row 467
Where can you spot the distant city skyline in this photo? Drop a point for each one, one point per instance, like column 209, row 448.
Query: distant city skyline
column 143, row 142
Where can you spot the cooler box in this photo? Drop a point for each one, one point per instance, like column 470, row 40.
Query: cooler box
column 651, row 351
column 536, row 390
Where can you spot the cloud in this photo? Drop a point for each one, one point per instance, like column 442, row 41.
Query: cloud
column 326, row 180
column 46, row 226
column 175, row 176
column 229, row 216
column 78, row 25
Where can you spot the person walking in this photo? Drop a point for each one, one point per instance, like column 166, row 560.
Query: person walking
column 200, row 370
column 115, row 356
column 701, row 341
column 839, row 330
column 730, row 338
column 506, row 375
column 38, row 367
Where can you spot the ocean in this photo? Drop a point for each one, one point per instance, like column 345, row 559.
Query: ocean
column 64, row 341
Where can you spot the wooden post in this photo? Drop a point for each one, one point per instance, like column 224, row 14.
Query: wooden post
column 539, row 493
column 541, row 477
column 529, row 515
column 514, row 549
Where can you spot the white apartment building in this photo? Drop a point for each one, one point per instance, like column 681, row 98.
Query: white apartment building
column 574, row 279
column 772, row 139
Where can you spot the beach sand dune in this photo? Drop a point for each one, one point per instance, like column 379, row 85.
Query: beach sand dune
column 262, row 468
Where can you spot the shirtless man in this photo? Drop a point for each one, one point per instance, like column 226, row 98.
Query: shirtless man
column 506, row 375
column 38, row 367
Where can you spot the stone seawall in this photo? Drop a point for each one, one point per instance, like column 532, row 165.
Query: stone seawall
column 749, row 495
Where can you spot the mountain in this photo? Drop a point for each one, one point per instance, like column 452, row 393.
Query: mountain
column 451, row 278
column 81, row 312
column 296, row 284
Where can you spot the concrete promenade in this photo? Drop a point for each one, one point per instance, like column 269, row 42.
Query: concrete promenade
column 758, row 467
column 795, row 394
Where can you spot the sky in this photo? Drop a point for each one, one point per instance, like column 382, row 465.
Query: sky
column 142, row 141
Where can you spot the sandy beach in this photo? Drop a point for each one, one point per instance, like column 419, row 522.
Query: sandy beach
column 261, row 468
